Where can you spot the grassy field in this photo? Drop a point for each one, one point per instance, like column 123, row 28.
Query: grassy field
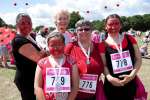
column 8, row 90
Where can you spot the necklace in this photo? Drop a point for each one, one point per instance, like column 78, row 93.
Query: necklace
column 87, row 54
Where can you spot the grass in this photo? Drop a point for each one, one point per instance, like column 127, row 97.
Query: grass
column 144, row 75
column 8, row 90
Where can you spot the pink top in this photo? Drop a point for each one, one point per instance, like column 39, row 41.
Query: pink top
column 45, row 63
column 96, row 38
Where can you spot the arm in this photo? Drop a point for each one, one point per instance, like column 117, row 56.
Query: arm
column 137, row 65
column 29, row 51
column 114, row 81
column 138, row 60
column 38, row 84
column 75, row 83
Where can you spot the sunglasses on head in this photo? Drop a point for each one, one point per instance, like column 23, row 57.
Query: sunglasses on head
column 85, row 29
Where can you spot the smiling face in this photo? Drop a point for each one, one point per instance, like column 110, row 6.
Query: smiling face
column 84, row 33
column 113, row 26
column 24, row 25
column 56, row 46
column 62, row 22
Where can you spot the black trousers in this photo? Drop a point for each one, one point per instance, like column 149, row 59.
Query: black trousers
column 27, row 92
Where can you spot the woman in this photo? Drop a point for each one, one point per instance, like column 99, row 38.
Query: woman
column 61, row 20
column 26, row 54
column 56, row 63
column 122, row 61
column 89, row 62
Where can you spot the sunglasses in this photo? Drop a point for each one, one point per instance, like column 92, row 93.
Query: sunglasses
column 85, row 29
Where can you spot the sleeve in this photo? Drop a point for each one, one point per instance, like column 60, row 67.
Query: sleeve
column 68, row 48
column 18, row 42
column 102, row 47
column 132, row 39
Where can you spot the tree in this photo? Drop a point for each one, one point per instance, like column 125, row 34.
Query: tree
column 74, row 17
column 98, row 25
column 125, row 24
column 137, row 22
column 146, row 18
column 2, row 23
column 37, row 28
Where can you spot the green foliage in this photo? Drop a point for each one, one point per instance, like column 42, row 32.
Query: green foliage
column 146, row 19
column 137, row 22
column 74, row 17
column 37, row 29
column 2, row 23
column 98, row 25
column 125, row 24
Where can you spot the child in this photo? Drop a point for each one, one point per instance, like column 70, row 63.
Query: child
column 56, row 76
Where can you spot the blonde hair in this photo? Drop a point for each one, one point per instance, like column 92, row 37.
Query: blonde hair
column 61, row 12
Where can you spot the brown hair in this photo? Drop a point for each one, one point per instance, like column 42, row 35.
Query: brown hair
column 113, row 16
column 20, row 15
column 55, row 34
column 83, row 22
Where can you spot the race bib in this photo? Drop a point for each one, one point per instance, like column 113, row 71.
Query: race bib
column 57, row 80
column 88, row 83
column 121, row 62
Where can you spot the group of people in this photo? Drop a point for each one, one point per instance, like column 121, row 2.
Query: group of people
column 71, row 70
column 144, row 43
column 5, row 46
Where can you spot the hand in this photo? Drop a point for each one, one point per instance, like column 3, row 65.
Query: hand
column 126, row 78
column 114, row 81
column 43, row 53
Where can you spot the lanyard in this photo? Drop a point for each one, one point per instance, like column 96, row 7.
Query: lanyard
column 119, row 48
column 87, row 54
column 55, row 64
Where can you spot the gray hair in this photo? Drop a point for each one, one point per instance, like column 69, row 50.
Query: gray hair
column 83, row 22
column 55, row 34
column 60, row 13
column 20, row 15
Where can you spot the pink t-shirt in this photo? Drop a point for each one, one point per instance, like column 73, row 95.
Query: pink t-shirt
column 45, row 63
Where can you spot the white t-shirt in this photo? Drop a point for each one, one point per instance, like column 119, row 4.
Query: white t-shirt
column 41, row 42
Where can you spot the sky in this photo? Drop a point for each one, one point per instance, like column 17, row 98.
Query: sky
column 42, row 11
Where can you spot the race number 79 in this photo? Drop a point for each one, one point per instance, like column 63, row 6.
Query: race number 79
column 60, row 79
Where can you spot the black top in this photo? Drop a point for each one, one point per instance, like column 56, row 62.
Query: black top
column 25, row 71
column 126, row 92
column 110, row 50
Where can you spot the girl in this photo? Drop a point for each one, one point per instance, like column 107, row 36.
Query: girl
column 122, row 61
column 56, row 76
